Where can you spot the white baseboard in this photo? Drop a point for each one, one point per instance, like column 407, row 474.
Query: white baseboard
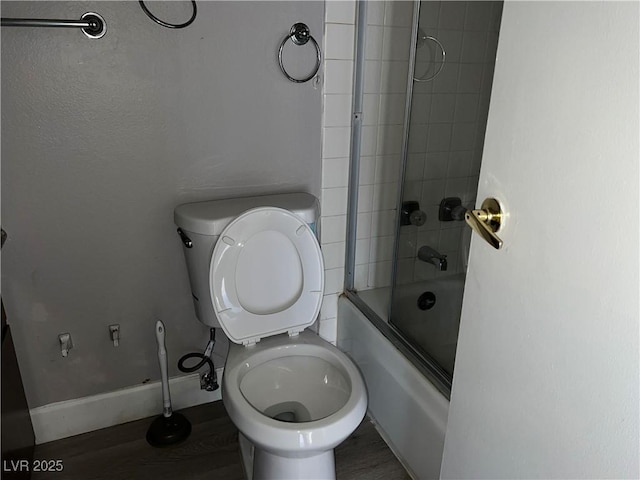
column 80, row 415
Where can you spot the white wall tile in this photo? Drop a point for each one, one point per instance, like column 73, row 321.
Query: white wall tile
column 339, row 41
column 447, row 80
column 463, row 136
column 361, row 277
column 337, row 110
column 456, row 187
column 368, row 140
column 383, row 223
column 336, row 142
column 335, row 172
column 407, row 244
column 328, row 329
column 362, row 250
column 337, row 11
column 375, row 13
column 333, row 281
column 380, row 274
column 398, row 13
column 334, row 201
column 363, row 229
column 388, row 168
column 420, row 109
column 370, row 108
column 385, row 196
column 423, row 270
column 496, row 16
column 471, row 194
column 466, row 107
column 418, row 139
column 333, row 229
column 329, row 307
column 396, row 43
column 460, row 163
column 412, row 190
column 390, row 140
column 393, row 77
column 405, row 271
column 381, row 249
column 474, row 46
column 429, row 13
column 365, row 198
column 372, row 76
column 367, row 170
column 392, row 108
column 333, row 254
column 443, row 107
column 429, row 238
column 373, row 47
column 438, row 137
column 436, row 165
column 451, row 15
column 432, row 192
column 449, row 239
column 478, row 16
column 338, row 76
column 415, row 166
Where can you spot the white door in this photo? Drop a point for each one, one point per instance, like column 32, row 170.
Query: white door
column 546, row 377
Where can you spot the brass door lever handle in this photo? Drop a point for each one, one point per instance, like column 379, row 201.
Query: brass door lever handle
column 486, row 221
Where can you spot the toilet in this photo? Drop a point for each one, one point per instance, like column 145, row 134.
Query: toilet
column 256, row 271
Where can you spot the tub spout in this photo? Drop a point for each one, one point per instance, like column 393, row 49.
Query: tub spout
column 429, row 255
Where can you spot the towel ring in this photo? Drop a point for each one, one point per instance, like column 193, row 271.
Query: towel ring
column 299, row 35
column 421, row 39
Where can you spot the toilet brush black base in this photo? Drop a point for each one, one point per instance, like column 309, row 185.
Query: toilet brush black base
column 166, row 431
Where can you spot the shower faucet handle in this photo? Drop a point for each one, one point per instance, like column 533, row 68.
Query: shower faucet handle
column 410, row 214
column 487, row 221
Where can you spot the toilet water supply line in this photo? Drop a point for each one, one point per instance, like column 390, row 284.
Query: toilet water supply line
column 208, row 381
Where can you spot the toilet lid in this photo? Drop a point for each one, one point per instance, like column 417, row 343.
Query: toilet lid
column 266, row 275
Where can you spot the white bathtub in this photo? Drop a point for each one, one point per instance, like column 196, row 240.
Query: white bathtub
column 410, row 413
column 434, row 331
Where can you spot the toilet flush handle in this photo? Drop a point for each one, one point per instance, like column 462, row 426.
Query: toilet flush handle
column 186, row 240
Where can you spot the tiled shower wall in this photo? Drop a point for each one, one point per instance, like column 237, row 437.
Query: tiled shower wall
column 445, row 143
column 386, row 66
column 447, row 126
column 339, row 44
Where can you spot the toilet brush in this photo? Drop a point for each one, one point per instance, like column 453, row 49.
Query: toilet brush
column 170, row 427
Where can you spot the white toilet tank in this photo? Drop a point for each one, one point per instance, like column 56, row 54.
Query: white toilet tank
column 201, row 223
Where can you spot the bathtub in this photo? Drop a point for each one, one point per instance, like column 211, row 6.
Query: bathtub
column 409, row 411
column 433, row 332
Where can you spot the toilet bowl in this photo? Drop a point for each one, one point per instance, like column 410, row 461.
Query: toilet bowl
column 292, row 395
column 294, row 399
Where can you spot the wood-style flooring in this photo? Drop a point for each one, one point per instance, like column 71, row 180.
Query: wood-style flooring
column 211, row 452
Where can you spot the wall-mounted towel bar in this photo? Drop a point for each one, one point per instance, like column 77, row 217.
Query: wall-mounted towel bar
column 91, row 24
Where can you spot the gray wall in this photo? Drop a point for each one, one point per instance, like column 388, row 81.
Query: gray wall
column 102, row 138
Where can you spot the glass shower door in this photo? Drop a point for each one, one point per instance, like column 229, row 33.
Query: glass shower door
column 455, row 53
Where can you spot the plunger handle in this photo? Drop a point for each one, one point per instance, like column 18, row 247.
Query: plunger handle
column 162, row 359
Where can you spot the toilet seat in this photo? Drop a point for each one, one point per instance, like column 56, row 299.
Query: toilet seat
column 266, row 275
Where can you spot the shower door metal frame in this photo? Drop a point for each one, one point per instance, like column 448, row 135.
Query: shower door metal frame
column 421, row 361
